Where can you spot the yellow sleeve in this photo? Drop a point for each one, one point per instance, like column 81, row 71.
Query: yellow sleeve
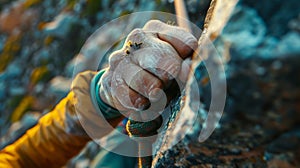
column 59, row 135
column 47, row 144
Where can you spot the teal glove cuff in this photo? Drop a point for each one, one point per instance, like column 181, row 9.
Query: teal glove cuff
column 107, row 111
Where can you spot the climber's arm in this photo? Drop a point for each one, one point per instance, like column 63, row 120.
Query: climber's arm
column 156, row 52
column 58, row 136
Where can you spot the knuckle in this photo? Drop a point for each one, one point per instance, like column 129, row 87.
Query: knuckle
column 115, row 58
column 191, row 43
column 136, row 33
column 174, row 69
column 169, row 67
column 153, row 24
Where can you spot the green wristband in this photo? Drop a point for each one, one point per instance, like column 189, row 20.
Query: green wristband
column 107, row 111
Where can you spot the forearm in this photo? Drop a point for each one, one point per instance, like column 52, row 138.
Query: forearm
column 48, row 144
column 60, row 134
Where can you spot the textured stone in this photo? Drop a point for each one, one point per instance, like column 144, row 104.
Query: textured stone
column 245, row 30
column 259, row 126
column 61, row 26
column 289, row 44
column 60, row 86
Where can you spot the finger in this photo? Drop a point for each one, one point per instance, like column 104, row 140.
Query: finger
column 138, row 79
column 183, row 41
column 185, row 70
column 106, row 93
column 163, row 63
column 155, row 55
column 115, row 58
column 124, row 98
column 105, row 87
column 129, row 99
column 112, row 101
column 184, row 48
column 136, row 35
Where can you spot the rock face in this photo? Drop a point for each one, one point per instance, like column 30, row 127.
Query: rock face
column 259, row 46
column 260, row 123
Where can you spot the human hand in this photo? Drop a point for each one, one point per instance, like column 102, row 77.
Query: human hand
column 150, row 60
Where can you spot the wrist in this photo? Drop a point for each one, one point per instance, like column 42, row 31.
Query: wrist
column 107, row 110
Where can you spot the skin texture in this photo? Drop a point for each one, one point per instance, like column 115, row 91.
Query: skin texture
column 150, row 60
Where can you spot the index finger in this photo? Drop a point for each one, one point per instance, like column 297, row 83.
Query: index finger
column 183, row 41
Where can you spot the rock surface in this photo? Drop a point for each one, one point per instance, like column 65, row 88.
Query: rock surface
column 260, row 123
column 259, row 45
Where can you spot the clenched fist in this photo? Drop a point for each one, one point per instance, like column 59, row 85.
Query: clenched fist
column 150, row 60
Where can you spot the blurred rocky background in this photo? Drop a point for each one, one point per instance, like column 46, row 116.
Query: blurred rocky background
column 260, row 45
column 260, row 126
